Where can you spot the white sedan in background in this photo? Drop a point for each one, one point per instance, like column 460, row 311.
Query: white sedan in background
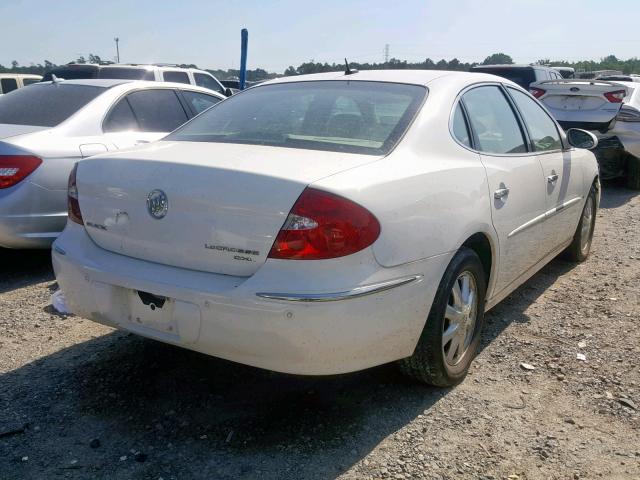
column 46, row 128
column 610, row 110
column 328, row 223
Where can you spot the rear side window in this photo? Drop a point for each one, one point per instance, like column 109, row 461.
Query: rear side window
column 29, row 81
column 120, row 118
column 206, row 81
column 460, row 129
column 199, row 102
column 493, row 121
column 126, row 73
column 157, row 110
column 8, row 85
column 542, row 129
column 179, row 77
column 45, row 105
column 339, row 115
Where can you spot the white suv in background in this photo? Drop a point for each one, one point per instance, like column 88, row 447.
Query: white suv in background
column 13, row 81
column 160, row 72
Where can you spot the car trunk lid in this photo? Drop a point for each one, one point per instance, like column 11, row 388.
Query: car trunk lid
column 8, row 130
column 580, row 102
column 225, row 203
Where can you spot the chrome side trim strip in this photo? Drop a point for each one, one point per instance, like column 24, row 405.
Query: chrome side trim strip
column 529, row 224
column 348, row 294
column 544, row 216
column 553, row 211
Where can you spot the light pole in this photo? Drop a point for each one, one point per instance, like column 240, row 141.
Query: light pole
column 117, row 50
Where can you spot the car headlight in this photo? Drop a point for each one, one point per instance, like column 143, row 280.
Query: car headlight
column 628, row 114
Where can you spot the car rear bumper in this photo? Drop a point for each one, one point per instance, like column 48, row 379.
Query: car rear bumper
column 272, row 320
column 31, row 216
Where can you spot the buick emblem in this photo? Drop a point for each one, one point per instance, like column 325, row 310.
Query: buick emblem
column 157, row 204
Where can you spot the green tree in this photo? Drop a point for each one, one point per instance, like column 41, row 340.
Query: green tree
column 498, row 59
column 14, row 64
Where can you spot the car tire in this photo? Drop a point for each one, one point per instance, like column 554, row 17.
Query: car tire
column 434, row 360
column 633, row 172
column 580, row 247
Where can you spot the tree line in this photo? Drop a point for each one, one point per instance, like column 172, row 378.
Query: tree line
column 611, row 62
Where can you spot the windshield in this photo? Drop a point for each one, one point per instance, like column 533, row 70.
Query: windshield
column 45, row 105
column 340, row 116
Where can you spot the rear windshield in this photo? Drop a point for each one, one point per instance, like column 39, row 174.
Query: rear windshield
column 522, row 76
column 71, row 73
column 339, row 116
column 126, row 73
column 45, row 105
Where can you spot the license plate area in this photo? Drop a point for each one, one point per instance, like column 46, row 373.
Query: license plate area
column 152, row 311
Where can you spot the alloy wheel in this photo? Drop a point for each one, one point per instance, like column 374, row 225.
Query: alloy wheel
column 460, row 318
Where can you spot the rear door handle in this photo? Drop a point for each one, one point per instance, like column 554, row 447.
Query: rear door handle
column 500, row 193
column 552, row 178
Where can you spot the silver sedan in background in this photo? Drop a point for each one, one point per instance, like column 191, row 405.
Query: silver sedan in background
column 46, row 127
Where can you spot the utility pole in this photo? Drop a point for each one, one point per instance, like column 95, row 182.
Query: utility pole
column 386, row 53
column 117, row 50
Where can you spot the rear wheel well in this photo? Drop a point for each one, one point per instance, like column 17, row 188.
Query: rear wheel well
column 481, row 245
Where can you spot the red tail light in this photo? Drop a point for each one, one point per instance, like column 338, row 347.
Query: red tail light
column 537, row 92
column 322, row 225
column 75, row 214
column 14, row 168
column 615, row 97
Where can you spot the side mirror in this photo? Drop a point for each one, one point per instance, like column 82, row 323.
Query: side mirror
column 228, row 92
column 582, row 139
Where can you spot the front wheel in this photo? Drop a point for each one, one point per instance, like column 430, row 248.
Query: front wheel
column 580, row 247
column 451, row 334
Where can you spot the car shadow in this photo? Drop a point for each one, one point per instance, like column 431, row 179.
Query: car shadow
column 615, row 194
column 21, row 268
column 182, row 414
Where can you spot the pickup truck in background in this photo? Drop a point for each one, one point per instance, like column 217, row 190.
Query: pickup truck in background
column 610, row 110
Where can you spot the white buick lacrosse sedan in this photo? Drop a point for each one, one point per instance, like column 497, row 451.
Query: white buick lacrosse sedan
column 328, row 223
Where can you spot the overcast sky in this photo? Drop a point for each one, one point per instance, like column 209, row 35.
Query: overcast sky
column 289, row 32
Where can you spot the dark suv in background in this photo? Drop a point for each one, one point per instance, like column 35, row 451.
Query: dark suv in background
column 523, row 75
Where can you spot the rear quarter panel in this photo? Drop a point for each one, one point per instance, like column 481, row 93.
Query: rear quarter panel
column 430, row 194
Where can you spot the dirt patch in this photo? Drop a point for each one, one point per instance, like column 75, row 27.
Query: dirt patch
column 78, row 400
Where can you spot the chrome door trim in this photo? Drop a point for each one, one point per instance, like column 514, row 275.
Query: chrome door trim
column 544, row 216
column 344, row 295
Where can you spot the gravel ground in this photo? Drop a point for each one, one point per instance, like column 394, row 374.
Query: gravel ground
column 78, row 400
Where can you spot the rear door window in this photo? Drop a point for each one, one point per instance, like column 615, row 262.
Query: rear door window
column 494, row 121
column 542, row 130
column 120, row 118
column 157, row 110
column 29, row 81
column 207, row 81
column 44, row 104
column 178, row 77
column 460, row 128
column 199, row 102
column 8, row 85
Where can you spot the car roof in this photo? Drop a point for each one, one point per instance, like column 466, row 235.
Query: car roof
column 114, row 82
column 93, row 82
column 19, row 75
column 513, row 66
column 415, row 77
